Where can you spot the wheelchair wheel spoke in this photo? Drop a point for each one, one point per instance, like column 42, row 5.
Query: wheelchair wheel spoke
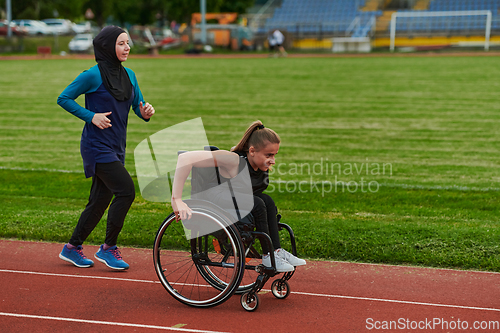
column 192, row 270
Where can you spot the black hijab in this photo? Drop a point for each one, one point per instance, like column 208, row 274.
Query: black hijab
column 113, row 74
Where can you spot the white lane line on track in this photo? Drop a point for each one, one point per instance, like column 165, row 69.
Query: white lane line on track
column 97, row 322
column 398, row 301
column 293, row 292
column 94, row 277
column 76, row 276
column 419, row 267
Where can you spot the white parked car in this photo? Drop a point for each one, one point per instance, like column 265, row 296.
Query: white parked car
column 81, row 43
column 60, row 26
column 16, row 31
column 82, row 27
column 34, row 27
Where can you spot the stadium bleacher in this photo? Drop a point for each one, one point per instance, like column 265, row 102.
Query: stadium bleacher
column 345, row 17
column 318, row 23
column 322, row 17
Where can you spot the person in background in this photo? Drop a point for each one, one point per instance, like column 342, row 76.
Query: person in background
column 276, row 40
column 110, row 90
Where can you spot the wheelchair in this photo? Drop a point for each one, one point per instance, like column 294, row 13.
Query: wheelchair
column 204, row 261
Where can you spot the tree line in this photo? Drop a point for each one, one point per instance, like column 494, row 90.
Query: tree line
column 123, row 12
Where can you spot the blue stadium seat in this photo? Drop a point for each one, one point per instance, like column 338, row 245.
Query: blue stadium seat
column 331, row 16
column 317, row 15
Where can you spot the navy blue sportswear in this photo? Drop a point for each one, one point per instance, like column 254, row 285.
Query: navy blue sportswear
column 100, row 145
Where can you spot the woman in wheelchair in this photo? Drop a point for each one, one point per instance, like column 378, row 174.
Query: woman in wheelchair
column 257, row 149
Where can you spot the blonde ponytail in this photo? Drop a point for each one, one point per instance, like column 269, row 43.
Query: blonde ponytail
column 256, row 135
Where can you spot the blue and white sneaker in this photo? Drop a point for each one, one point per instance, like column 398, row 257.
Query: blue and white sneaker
column 75, row 256
column 111, row 257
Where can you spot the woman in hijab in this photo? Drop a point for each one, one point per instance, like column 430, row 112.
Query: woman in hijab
column 110, row 90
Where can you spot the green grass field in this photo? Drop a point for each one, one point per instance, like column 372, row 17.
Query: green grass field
column 412, row 142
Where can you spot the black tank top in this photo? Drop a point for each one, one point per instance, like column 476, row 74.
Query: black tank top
column 260, row 179
column 206, row 178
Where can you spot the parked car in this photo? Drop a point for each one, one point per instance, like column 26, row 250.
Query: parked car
column 81, row 43
column 16, row 31
column 34, row 27
column 60, row 26
column 82, row 27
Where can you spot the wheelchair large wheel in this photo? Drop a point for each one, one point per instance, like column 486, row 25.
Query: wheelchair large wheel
column 190, row 265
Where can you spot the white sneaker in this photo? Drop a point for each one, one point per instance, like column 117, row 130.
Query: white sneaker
column 290, row 258
column 281, row 265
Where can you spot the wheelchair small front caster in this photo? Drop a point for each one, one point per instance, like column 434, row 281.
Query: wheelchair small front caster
column 250, row 301
column 280, row 289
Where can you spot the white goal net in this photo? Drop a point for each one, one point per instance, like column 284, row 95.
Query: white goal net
column 459, row 21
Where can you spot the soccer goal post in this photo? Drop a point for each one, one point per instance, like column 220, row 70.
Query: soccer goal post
column 486, row 13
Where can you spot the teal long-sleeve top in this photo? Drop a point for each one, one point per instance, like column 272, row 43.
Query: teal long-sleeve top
column 100, row 145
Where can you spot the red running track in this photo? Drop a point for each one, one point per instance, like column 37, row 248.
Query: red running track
column 42, row 293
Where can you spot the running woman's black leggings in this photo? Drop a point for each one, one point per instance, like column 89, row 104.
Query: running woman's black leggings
column 109, row 179
column 264, row 213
